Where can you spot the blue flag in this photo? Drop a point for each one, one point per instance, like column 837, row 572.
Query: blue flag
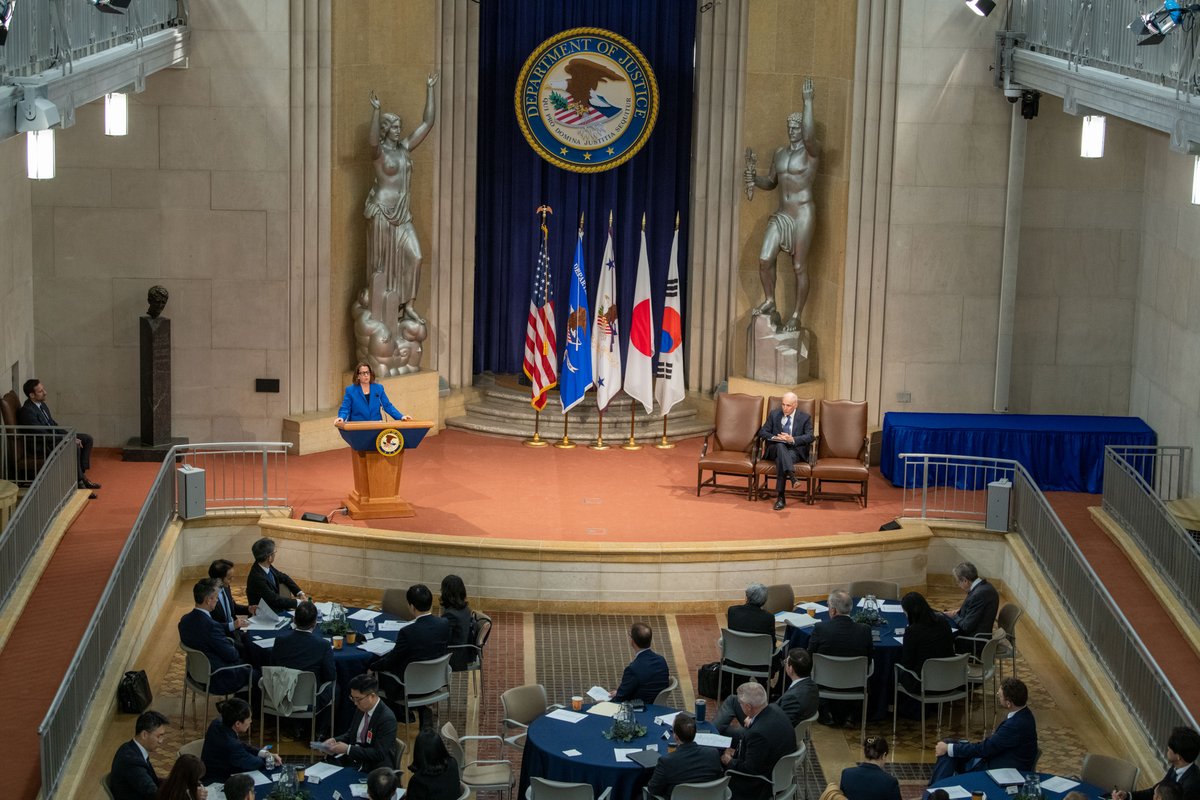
column 576, row 377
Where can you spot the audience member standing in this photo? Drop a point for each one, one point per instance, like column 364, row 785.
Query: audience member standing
column 132, row 776
column 1183, row 748
column 647, row 674
column 434, row 770
column 34, row 411
column 224, row 752
column 839, row 636
column 462, row 622
column 264, row 580
column 869, row 781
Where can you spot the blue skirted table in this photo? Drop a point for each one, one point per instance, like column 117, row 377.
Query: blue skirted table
column 1063, row 453
column 979, row 781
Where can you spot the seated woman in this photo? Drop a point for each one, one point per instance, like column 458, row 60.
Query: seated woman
column 927, row 636
column 225, row 754
column 184, row 781
column 456, row 611
column 435, row 774
column 869, row 781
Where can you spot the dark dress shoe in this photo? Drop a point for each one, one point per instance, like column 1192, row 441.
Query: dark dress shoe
column 88, row 484
column 827, row 719
column 92, row 496
column 779, row 504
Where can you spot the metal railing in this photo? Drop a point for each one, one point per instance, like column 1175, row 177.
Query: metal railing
column 46, row 462
column 950, row 487
column 61, row 726
column 1118, row 649
column 1138, row 482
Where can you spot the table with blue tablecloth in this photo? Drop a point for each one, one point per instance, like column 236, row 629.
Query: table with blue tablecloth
column 544, row 755
column 1063, row 453
column 339, row 782
column 349, row 661
column 885, row 654
column 979, row 781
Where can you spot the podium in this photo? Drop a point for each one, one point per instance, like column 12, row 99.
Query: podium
column 377, row 452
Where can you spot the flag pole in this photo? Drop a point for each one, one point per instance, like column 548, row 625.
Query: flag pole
column 565, row 443
column 537, row 440
column 663, row 443
column 631, row 444
column 599, row 443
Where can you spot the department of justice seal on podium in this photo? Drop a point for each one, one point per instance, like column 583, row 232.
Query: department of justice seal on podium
column 389, row 442
column 586, row 100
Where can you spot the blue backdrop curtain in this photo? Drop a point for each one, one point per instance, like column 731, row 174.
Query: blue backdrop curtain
column 513, row 180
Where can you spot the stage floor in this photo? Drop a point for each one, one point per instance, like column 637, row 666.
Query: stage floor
column 465, row 484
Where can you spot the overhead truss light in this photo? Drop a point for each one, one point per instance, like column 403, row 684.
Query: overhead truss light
column 116, row 114
column 1155, row 26
column 1196, row 182
column 111, row 6
column 39, row 154
column 981, row 7
column 1091, row 142
column 6, row 15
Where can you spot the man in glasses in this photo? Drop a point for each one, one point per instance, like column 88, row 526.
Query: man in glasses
column 371, row 740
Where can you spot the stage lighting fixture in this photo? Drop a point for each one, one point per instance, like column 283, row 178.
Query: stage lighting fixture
column 1029, row 103
column 39, row 155
column 116, row 114
column 111, row 6
column 981, row 7
column 6, row 15
column 1091, row 142
column 1157, row 24
column 1196, row 182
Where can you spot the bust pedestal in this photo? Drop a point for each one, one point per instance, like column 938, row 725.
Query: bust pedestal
column 156, row 439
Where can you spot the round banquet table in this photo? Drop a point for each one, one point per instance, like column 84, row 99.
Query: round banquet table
column 543, row 756
column 885, row 654
column 350, row 661
column 979, row 781
column 339, row 782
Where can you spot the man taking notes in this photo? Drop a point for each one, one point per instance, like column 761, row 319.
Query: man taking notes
column 371, row 740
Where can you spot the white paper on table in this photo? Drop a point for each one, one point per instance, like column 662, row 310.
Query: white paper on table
column 713, row 740
column 956, row 792
column 1059, row 784
column 796, row 620
column 565, row 715
column 392, row 625
column 892, row 608
column 364, row 614
column 598, row 693
column 321, row 771
column 899, row 639
column 216, row 791
column 358, row 790
column 882, row 605
column 666, row 719
column 605, row 709
column 1006, row 777
column 259, row 778
column 379, row 646
column 622, row 753
column 572, row 753
column 325, row 609
column 265, row 643
column 816, row 607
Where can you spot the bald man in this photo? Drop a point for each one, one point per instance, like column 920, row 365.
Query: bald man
column 788, row 432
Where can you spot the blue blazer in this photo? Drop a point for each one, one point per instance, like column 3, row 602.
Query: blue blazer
column 201, row 632
column 132, row 777
column 225, row 754
column 869, row 782
column 306, row 651
column 646, row 676
column 1012, row 744
column 357, row 407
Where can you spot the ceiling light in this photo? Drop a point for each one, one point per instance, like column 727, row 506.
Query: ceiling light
column 1091, row 142
column 116, row 114
column 981, row 7
column 39, row 154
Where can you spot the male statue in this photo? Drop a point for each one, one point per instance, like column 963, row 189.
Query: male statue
column 790, row 228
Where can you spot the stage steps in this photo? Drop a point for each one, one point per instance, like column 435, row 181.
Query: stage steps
column 503, row 409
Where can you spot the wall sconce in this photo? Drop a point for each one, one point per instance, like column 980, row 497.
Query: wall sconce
column 1091, row 142
column 116, row 114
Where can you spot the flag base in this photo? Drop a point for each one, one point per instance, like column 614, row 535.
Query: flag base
column 631, row 445
column 599, row 445
column 665, row 445
column 535, row 442
column 565, row 444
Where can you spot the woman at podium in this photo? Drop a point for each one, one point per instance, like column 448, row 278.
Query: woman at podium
column 365, row 400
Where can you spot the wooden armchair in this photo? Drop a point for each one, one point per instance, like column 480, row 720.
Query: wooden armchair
column 731, row 447
column 765, row 467
column 842, row 450
column 21, row 456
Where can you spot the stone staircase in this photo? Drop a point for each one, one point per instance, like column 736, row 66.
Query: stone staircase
column 503, row 409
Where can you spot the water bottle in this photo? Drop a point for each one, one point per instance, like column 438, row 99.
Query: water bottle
column 370, row 626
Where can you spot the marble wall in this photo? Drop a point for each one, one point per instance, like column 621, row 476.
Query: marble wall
column 16, row 268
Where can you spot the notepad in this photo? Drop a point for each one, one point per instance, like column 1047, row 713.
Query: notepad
column 666, row 719
column 572, row 753
column 598, row 693
column 392, row 625
column 1006, row 777
column 265, row 644
column 566, row 716
column 796, row 620
column 713, row 740
column 647, row 758
column 379, row 646
column 321, row 770
column 259, row 778
column 624, row 753
column 956, row 792
column 605, row 709
column 1059, row 784
column 816, row 607
column 364, row 614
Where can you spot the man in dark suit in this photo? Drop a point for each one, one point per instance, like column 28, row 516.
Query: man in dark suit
column 751, row 617
column 199, row 631
column 306, row 651
column 239, row 787
column 426, row 637
column 690, row 763
column 788, row 434
column 1183, row 748
column 977, row 614
column 229, row 613
column 34, row 411
column 132, row 776
column 768, row 738
column 263, row 582
column 1013, row 743
column 647, row 674
column 370, row 742
column 799, row 701
column 839, row 636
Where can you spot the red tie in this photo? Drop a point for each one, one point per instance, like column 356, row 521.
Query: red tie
column 362, row 730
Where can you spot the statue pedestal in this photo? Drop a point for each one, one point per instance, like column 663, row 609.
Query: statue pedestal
column 156, row 438
column 779, row 357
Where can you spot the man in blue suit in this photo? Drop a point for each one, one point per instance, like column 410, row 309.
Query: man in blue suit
column 426, row 637
column 977, row 614
column 199, row 631
column 647, row 674
column 690, row 763
column 1013, row 743
column 306, row 651
column 132, row 776
column 788, row 434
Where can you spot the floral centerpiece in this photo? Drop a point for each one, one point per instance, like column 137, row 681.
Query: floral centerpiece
column 625, row 727
column 869, row 613
column 336, row 623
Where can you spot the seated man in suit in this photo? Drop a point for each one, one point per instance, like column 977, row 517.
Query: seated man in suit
column 263, row 582
column 1183, row 748
column 1013, row 743
column 788, row 434
column 977, row 614
column 34, row 411
column 647, row 674
column 382, row 784
column 370, row 742
column 799, row 701
column 304, row 650
column 426, row 638
column 840, row 636
column 132, row 776
column 239, row 787
column 690, row 763
column 768, row 738
column 228, row 612
column 199, row 631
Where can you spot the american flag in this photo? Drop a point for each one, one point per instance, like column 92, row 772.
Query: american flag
column 541, row 349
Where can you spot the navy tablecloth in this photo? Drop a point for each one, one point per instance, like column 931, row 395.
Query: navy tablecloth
column 548, row 738
column 338, row 782
column 975, row 781
column 1063, row 453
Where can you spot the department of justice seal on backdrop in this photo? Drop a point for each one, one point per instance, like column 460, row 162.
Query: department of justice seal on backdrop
column 389, row 442
column 586, row 100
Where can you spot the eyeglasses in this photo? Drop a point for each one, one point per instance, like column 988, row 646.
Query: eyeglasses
column 359, row 698
column 364, row 372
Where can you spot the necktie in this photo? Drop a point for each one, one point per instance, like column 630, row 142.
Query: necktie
column 225, row 605
column 362, row 730
column 271, row 579
column 787, row 424
column 45, row 414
